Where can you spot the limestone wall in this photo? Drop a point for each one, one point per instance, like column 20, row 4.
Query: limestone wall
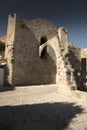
column 75, row 56
column 38, row 53
column 41, row 27
column 28, row 67
column 75, row 61
column 9, row 48
column 62, row 32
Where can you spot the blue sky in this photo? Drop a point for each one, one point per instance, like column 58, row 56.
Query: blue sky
column 71, row 14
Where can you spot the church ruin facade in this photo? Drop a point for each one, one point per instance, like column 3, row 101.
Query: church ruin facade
column 38, row 53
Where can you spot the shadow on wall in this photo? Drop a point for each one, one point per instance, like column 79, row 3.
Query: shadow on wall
column 55, row 116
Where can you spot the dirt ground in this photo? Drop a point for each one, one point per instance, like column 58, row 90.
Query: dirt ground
column 41, row 108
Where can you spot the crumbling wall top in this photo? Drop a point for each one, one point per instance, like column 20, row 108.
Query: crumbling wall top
column 41, row 27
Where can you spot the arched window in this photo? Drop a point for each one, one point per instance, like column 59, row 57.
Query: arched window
column 42, row 41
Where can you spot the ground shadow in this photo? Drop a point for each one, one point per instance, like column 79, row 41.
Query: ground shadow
column 46, row 116
column 7, row 88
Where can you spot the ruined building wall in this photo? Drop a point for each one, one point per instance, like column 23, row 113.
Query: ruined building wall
column 65, row 71
column 63, row 46
column 63, row 36
column 75, row 60
column 83, row 52
column 9, row 48
column 41, row 27
column 27, row 66
column 75, row 56
column 39, row 53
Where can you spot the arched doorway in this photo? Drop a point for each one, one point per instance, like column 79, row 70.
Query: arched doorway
column 42, row 41
column 48, row 75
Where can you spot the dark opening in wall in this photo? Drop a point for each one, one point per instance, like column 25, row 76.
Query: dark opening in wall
column 83, row 69
column 23, row 25
column 12, row 15
column 42, row 41
column 2, row 46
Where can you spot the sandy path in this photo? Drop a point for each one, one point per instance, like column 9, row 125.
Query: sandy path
column 41, row 108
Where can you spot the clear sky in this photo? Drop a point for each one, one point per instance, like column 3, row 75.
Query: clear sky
column 71, row 14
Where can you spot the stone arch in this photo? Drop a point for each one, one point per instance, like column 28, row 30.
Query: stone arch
column 49, row 59
column 43, row 41
column 54, row 59
column 45, row 45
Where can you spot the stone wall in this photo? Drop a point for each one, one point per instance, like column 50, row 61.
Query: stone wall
column 75, row 60
column 39, row 53
column 41, row 27
column 28, row 67
column 9, row 48
column 63, row 36
column 75, row 56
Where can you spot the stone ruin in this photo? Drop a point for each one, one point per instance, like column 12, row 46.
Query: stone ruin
column 38, row 53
